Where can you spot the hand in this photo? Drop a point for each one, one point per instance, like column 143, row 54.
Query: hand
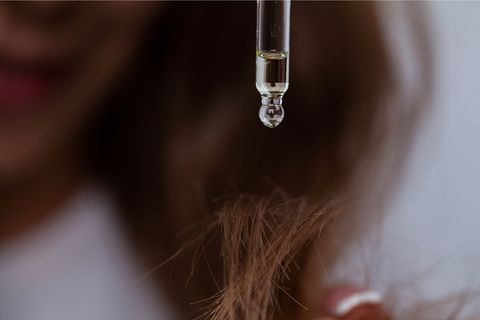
column 351, row 303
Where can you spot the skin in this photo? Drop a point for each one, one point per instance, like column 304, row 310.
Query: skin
column 41, row 145
column 41, row 142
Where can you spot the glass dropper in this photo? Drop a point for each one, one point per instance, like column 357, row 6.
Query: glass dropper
column 273, row 50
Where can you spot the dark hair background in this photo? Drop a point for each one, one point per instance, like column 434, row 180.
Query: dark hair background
column 182, row 128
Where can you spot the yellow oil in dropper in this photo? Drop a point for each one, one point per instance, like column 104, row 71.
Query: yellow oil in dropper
column 272, row 61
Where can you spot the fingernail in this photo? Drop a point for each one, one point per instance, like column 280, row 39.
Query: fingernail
column 343, row 300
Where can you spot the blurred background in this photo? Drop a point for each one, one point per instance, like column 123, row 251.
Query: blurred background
column 433, row 229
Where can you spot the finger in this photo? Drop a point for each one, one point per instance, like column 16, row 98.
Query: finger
column 351, row 303
column 366, row 312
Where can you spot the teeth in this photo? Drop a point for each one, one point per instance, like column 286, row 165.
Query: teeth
column 357, row 299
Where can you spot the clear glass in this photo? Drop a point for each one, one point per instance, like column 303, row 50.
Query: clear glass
column 272, row 61
column 272, row 74
column 273, row 26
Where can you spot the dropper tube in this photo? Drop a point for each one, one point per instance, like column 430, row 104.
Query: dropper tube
column 272, row 62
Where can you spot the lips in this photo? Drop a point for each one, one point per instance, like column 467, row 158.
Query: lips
column 25, row 84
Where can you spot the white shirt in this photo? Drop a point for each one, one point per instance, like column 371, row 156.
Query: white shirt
column 77, row 265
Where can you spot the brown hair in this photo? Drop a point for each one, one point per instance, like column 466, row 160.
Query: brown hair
column 183, row 140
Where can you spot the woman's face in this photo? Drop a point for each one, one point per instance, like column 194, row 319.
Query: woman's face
column 57, row 61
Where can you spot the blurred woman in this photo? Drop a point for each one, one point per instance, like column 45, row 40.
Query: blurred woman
column 142, row 116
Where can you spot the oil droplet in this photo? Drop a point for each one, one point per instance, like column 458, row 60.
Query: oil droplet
column 271, row 113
